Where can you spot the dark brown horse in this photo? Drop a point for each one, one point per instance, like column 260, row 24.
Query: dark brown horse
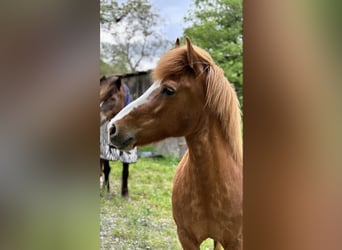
column 114, row 95
column 191, row 97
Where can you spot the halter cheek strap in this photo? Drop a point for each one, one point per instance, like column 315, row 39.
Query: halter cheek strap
column 127, row 94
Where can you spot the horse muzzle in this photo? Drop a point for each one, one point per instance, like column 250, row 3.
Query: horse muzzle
column 120, row 140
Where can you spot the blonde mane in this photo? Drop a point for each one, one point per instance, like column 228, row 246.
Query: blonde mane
column 221, row 97
column 222, row 100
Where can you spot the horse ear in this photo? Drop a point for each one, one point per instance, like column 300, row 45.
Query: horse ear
column 102, row 79
column 118, row 83
column 192, row 56
column 177, row 43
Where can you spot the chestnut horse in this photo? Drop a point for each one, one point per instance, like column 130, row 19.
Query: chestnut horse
column 114, row 95
column 191, row 97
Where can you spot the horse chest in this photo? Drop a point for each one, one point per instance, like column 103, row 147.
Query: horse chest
column 199, row 200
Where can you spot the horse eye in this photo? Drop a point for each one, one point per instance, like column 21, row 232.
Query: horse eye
column 168, row 91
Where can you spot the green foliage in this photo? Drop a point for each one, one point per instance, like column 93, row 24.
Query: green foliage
column 108, row 68
column 217, row 27
column 105, row 68
column 109, row 12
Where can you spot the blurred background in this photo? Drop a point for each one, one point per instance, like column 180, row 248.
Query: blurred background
column 291, row 65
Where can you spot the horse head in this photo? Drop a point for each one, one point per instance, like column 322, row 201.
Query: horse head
column 171, row 107
column 112, row 97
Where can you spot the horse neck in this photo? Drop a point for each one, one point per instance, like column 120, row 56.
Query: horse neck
column 209, row 150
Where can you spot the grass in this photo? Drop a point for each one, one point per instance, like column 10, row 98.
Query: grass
column 145, row 220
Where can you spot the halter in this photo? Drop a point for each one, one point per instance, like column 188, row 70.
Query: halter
column 127, row 94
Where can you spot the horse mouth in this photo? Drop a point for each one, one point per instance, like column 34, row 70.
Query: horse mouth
column 127, row 145
column 124, row 145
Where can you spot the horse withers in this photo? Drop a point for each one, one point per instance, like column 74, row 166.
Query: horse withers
column 114, row 95
column 191, row 97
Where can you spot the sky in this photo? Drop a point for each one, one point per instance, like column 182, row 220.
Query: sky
column 172, row 12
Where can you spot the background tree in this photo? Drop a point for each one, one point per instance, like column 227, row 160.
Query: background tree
column 135, row 37
column 217, row 27
column 109, row 13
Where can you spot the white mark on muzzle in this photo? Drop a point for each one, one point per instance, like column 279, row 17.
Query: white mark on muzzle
column 136, row 103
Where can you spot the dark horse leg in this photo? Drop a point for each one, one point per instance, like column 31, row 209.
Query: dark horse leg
column 125, row 173
column 106, row 171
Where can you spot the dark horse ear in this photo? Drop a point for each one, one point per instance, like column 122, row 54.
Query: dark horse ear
column 118, row 82
column 192, row 56
column 103, row 78
column 177, row 43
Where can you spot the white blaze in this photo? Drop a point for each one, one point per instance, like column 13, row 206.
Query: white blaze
column 136, row 103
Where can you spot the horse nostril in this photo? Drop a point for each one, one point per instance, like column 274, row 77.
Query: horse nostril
column 112, row 130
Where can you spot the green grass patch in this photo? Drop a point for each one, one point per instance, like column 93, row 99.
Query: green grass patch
column 145, row 220
column 148, row 148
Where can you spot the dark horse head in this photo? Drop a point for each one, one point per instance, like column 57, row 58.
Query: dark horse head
column 112, row 97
